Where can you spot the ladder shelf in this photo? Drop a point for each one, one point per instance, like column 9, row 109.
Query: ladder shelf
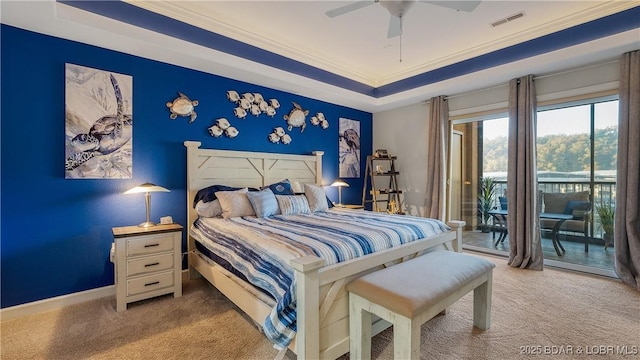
column 375, row 190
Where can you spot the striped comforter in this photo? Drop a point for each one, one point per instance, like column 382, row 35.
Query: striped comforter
column 261, row 248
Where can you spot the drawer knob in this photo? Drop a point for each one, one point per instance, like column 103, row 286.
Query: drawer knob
column 151, row 245
column 152, row 264
column 152, row 283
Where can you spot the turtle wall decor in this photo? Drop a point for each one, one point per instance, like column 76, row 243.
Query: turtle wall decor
column 296, row 117
column 183, row 106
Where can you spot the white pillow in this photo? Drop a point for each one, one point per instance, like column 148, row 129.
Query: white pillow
column 209, row 209
column 293, row 204
column 316, row 197
column 235, row 203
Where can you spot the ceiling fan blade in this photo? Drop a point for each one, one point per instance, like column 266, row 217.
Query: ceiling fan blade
column 395, row 27
column 467, row 6
column 348, row 8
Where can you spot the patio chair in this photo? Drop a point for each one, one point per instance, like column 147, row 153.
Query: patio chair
column 577, row 204
column 500, row 223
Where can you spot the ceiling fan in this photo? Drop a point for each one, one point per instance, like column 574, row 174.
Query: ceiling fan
column 398, row 8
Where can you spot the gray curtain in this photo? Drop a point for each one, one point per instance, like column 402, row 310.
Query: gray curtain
column 522, row 184
column 436, row 160
column 627, row 219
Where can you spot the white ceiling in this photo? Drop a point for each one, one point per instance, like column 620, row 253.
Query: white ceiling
column 353, row 45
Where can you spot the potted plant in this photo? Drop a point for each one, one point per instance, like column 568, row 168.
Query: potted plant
column 606, row 219
column 485, row 201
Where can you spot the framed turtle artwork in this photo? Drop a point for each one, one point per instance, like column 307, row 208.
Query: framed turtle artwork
column 349, row 148
column 98, row 124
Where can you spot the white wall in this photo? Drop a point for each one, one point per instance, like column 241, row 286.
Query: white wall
column 403, row 132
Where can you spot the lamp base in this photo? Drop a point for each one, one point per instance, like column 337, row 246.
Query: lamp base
column 147, row 224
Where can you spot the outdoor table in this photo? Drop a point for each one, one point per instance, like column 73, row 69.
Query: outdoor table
column 501, row 217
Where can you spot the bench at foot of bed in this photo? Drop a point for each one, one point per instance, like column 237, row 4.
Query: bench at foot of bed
column 409, row 294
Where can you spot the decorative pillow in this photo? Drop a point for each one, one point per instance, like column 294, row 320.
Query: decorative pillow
column 295, row 186
column 329, row 203
column 281, row 188
column 264, row 203
column 577, row 208
column 209, row 193
column 316, row 197
column 293, row 204
column 235, row 203
column 503, row 202
column 209, row 209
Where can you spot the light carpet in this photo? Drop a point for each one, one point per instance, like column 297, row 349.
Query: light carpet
column 534, row 314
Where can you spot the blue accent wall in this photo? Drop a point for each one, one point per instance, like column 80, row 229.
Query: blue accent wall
column 56, row 233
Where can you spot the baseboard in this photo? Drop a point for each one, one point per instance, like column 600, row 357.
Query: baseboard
column 581, row 268
column 62, row 301
column 57, row 302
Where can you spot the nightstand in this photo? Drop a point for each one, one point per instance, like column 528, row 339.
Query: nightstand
column 148, row 262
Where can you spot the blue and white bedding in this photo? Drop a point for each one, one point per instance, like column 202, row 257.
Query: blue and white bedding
column 261, row 248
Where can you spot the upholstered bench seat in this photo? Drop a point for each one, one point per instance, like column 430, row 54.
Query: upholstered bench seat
column 410, row 293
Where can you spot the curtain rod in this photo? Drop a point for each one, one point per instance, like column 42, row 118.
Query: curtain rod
column 535, row 78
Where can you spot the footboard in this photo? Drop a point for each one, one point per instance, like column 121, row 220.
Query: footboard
column 323, row 303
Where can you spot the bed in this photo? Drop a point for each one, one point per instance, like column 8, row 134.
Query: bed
column 321, row 302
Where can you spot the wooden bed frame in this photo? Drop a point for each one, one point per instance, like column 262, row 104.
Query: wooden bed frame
column 322, row 301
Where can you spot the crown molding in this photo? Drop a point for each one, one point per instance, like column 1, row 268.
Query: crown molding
column 311, row 57
column 308, row 55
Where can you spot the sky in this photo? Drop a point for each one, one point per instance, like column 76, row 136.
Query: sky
column 572, row 120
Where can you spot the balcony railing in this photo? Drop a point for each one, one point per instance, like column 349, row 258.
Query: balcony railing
column 604, row 192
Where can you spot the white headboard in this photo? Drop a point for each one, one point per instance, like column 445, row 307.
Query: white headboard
column 206, row 167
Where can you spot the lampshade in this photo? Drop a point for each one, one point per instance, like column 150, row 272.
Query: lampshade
column 147, row 189
column 340, row 184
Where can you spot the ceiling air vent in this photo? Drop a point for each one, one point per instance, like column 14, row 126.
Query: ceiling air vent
column 507, row 19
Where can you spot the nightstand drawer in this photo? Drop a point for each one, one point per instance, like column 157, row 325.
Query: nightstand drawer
column 149, row 283
column 149, row 264
column 149, row 244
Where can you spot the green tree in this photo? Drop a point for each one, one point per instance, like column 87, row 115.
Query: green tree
column 561, row 153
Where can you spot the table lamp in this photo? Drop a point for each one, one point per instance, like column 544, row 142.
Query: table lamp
column 340, row 183
column 147, row 189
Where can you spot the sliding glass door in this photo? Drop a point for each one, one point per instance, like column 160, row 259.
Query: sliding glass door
column 576, row 162
column 576, row 159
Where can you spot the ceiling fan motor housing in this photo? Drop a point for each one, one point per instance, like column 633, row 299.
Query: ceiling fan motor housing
column 397, row 8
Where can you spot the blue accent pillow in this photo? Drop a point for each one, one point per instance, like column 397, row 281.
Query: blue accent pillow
column 329, row 203
column 209, row 193
column 503, row 202
column 576, row 205
column 264, row 203
column 281, row 188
